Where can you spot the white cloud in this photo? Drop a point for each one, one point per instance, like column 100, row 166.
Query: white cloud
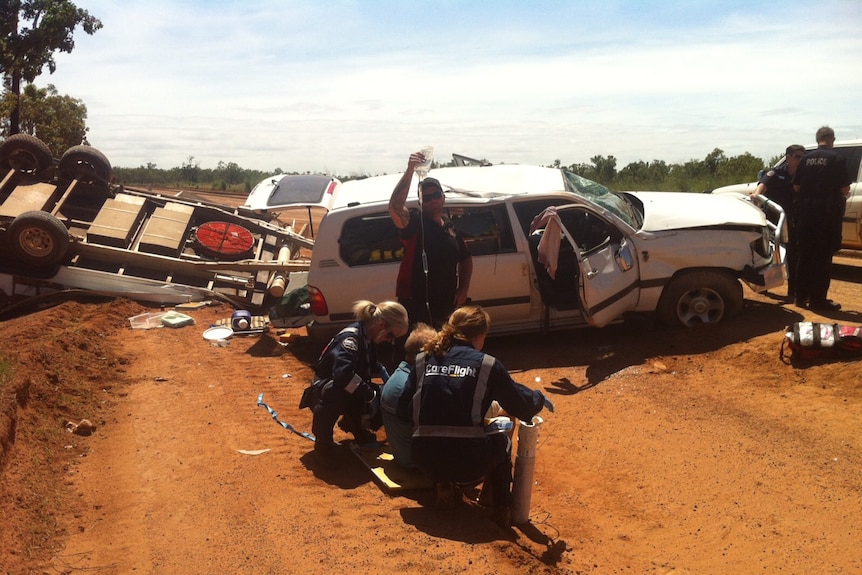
column 354, row 86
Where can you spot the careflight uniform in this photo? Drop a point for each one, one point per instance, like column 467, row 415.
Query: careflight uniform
column 821, row 175
column 444, row 250
column 349, row 361
column 779, row 189
column 447, row 398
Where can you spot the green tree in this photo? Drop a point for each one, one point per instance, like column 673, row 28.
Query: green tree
column 59, row 121
column 30, row 32
column 230, row 172
column 190, row 170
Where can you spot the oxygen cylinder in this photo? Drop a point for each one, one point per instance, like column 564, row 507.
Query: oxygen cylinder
column 525, row 465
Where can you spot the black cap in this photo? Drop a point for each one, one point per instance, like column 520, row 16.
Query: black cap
column 430, row 182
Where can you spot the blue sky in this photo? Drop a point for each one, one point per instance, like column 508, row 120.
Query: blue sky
column 352, row 87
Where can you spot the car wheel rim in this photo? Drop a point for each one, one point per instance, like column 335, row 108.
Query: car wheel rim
column 23, row 161
column 36, row 242
column 700, row 306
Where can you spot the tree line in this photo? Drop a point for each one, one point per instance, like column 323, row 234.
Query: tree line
column 715, row 170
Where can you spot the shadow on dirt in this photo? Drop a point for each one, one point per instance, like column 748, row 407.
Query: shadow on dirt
column 610, row 349
column 466, row 523
column 345, row 472
column 847, row 272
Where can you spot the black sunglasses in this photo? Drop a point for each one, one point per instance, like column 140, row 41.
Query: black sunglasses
column 436, row 195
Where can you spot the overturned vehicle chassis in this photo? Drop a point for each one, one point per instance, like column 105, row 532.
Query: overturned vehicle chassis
column 64, row 225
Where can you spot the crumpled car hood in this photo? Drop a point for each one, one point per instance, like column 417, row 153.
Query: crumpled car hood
column 672, row 211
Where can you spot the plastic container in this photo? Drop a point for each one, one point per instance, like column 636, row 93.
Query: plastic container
column 147, row 320
column 423, row 168
column 177, row 319
column 240, row 320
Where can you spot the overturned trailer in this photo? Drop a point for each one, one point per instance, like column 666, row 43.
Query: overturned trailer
column 64, row 224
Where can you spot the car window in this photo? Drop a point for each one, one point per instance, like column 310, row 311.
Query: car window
column 619, row 204
column 527, row 210
column 852, row 155
column 373, row 238
column 588, row 230
column 485, row 229
column 370, row 239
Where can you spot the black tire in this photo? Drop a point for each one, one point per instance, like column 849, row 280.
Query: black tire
column 85, row 164
column 38, row 239
column 25, row 153
column 700, row 297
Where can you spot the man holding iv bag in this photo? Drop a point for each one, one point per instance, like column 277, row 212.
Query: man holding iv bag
column 435, row 271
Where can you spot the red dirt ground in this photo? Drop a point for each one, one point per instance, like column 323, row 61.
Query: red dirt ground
column 671, row 452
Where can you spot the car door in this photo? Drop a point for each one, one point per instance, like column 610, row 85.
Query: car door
column 608, row 278
column 501, row 280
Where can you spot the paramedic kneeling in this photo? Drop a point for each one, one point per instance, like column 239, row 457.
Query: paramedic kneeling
column 349, row 361
column 448, row 393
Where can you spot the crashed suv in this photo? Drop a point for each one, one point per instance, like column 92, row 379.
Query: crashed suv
column 677, row 255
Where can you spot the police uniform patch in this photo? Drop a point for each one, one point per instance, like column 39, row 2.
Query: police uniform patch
column 770, row 173
column 350, row 343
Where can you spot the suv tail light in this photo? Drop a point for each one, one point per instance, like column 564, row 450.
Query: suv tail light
column 318, row 302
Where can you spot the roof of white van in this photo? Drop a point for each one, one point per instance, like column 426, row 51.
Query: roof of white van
column 501, row 179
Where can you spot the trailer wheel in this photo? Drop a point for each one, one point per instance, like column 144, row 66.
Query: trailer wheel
column 25, row 153
column 85, row 164
column 699, row 297
column 37, row 238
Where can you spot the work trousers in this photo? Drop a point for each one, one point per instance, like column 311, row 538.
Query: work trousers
column 335, row 403
column 815, row 246
column 468, row 460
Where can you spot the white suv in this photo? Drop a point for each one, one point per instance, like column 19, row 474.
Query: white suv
column 677, row 254
column 851, row 229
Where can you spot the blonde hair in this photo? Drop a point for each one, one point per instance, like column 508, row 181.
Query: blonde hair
column 463, row 325
column 418, row 338
column 391, row 313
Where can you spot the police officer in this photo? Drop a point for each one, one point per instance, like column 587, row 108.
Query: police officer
column 349, row 361
column 448, row 394
column 777, row 185
column 822, row 185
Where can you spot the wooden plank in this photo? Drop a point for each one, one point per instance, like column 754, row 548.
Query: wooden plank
column 39, row 196
column 117, row 222
column 391, row 476
column 165, row 231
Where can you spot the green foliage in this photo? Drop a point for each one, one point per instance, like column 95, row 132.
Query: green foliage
column 59, row 121
column 692, row 176
column 227, row 176
column 713, row 171
column 30, row 32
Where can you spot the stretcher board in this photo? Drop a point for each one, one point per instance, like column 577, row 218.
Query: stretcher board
column 392, row 477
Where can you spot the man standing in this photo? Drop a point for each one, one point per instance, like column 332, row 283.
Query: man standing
column 822, row 185
column 777, row 185
column 435, row 272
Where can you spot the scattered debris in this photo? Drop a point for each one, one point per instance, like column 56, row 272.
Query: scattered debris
column 253, row 452
column 83, row 427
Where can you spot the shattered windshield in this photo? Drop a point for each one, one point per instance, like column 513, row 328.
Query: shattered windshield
column 598, row 194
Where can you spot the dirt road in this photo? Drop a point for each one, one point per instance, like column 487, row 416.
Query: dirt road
column 670, row 451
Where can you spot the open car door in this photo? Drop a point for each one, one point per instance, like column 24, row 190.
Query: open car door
column 607, row 267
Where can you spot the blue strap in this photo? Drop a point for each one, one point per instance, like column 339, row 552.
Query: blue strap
column 274, row 415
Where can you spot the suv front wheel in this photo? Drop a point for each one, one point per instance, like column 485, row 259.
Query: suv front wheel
column 699, row 297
